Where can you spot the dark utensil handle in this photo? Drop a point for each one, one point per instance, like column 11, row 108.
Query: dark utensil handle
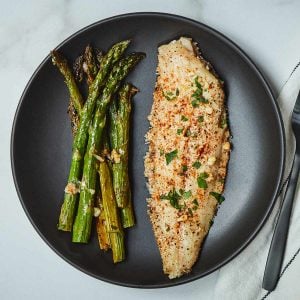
column 277, row 248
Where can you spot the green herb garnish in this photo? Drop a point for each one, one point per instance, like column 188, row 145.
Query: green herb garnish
column 200, row 119
column 187, row 194
column 184, row 168
column 223, row 123
column 198, row 85
column 204, row 175
column 198, row 94
column 197, row 164
column 201, row 180
column 188, row 132
column 195, row 103
column 184, row 118
column 169, row 96
column 190, row 212
column 179, row 131
column 196, row 204
column 202, row 183
column 195, row 201
column 218, row 197
column 173, row 197
column 171, row 155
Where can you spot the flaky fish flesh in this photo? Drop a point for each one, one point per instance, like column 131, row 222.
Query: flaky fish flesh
column 188, row 153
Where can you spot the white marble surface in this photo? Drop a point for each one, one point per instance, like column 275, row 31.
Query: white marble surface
column 267, row 30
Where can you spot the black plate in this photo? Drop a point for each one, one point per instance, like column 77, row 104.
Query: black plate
column 41, row 149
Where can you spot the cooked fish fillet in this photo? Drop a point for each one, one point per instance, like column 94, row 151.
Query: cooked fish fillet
column 188, row 154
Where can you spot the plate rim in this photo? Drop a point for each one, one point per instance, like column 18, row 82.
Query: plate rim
column 268, row 89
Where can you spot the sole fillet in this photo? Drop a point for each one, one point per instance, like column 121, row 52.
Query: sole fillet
column 188, row 154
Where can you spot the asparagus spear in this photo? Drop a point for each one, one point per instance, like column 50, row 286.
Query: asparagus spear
column 82, row 224
column 117, row 246
column 86, row 63
column 126, row 94
column 127, row 214
column 78, row 68
column 79, row 144
column 113, row 224
column 99, row 56
column 61, row 63
column 108, row 199
column 83, row 220
column 76, row 100
column 115, row 239
column 74, row 117
column 90, row 68
column 119, row 137
column 103, row 235
column 89, row 64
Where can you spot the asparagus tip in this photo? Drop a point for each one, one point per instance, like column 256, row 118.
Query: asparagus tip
column 57, row 58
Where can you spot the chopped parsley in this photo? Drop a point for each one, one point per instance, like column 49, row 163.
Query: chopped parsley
column 177, row 92
column 195, row 103
column 197, row 164
column 201, row 180
column 173, row 197
column 188, row 132
column 169, row 96
column 204, row 175
column 202, row 183
column 198, row 94
column 198, row 85
column 171, row 155
column 196, row 204
column 190, row 211
column 184, row 118
column 187, row 194
column 179, row 131
column 184, row 168
column 200, row 119
column 218, row 197
column 195, row 201
column 223, row 123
